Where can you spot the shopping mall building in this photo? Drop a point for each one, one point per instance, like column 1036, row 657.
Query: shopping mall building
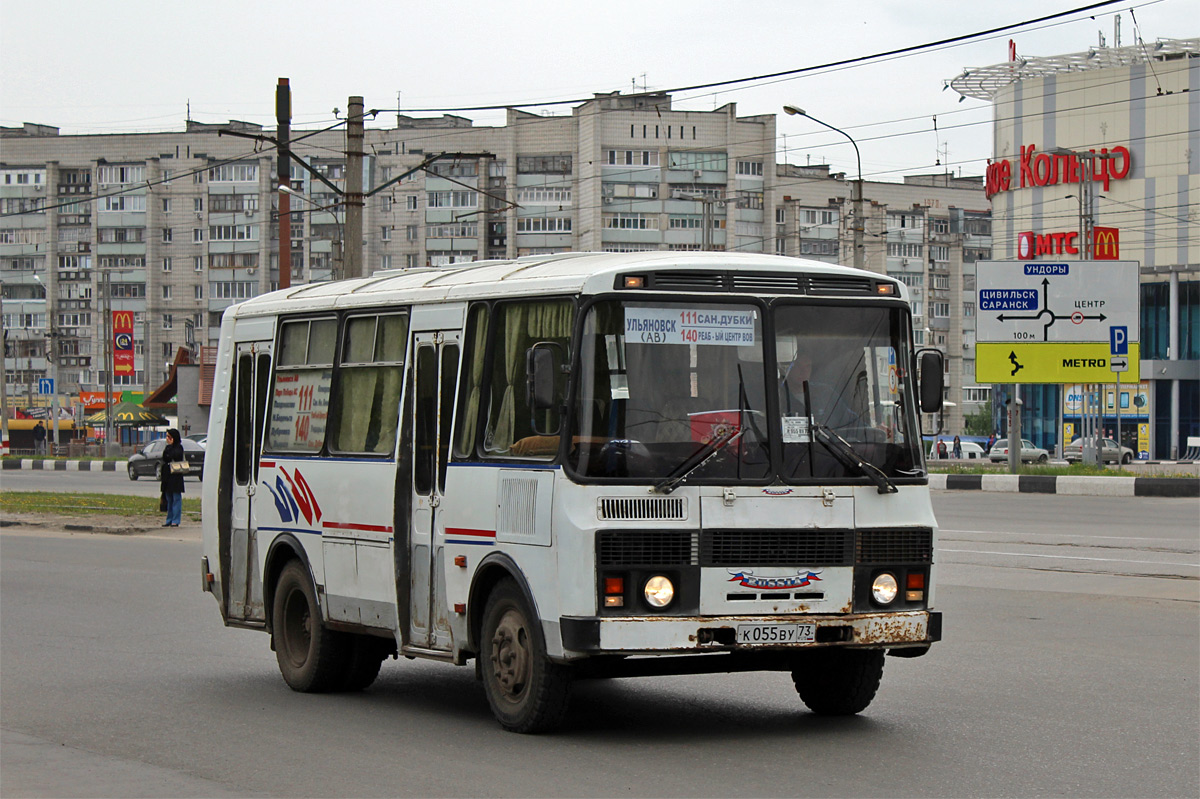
column 1134, row 115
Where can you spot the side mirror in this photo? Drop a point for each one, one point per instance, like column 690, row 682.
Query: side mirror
column 932, row 380
column 539, row 375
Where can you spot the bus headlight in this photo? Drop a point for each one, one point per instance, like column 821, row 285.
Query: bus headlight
column 884, row 588
column 659, row 591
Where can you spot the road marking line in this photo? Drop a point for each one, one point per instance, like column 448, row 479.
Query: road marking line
column 1065, row 557
column 1055, row 535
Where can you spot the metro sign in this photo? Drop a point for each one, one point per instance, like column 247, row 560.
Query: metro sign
column 1032, row 245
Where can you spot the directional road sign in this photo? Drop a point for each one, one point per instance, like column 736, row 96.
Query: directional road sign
column 45, row 385
column 1118, row 363
column 1055, row 321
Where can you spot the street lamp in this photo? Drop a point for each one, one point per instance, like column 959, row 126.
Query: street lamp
column 287, row 191
column 792, row 110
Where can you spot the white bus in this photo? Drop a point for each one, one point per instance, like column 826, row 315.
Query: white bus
column 577, row 465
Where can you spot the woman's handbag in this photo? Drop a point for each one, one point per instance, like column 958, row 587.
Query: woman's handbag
column 179, row 467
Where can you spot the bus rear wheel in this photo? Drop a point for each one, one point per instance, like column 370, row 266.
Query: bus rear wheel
column 527, row 692
column 311, row 657
column 838, row 682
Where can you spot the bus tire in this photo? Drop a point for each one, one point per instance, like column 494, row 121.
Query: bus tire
column 311, row 657
column 838, row 682
column 527, row 692
column 365, row 656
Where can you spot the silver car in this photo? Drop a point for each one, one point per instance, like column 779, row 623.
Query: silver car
column 1029, row 453
column 1110, row 452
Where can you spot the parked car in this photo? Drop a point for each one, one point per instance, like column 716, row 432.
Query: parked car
column 200, row 438
column 1109, row 452
column 1029, row 453
column 148, row 460
column 970, row 450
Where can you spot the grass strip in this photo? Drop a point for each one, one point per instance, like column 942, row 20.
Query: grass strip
column 85, row 504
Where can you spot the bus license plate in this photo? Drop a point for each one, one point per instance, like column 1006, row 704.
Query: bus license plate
column 776, row 633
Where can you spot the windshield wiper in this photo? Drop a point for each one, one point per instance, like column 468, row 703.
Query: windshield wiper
column 849, row 457
column 696, row 460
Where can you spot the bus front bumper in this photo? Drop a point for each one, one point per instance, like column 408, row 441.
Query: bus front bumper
column 645, row 635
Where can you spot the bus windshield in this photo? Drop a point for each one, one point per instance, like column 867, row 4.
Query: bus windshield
column 689, row 389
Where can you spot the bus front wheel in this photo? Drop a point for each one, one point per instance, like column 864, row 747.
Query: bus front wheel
column 838, row 682
column 312, row 658
column 526, row 691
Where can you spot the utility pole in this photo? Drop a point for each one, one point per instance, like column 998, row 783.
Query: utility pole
column 352, row 246
column 283, row 132
column 109, row 448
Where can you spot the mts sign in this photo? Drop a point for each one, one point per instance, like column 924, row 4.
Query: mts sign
column 1032, row 245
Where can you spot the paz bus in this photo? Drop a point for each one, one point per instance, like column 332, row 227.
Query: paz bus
column 579, row 465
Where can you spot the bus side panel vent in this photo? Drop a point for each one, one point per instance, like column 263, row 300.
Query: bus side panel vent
column 523, row 506
column 655, row 509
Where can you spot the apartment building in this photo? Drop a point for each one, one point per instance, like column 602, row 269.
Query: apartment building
column 176, row 226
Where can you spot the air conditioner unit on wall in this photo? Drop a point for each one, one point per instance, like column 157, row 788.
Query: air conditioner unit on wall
column 697, row 173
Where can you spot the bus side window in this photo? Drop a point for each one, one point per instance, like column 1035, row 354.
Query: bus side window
column 471, row 393
column 520, row 325
column 367, row 391
column 303, row 373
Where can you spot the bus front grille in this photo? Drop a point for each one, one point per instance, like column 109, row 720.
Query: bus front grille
column 894, row 546
column 646, row 547
column 777, row 547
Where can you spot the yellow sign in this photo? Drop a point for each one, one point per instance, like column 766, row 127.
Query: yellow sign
column 1143, row 440
column 1068, row 431
column 1051, row 362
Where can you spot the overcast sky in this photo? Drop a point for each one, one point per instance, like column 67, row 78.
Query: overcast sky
column 134, row 65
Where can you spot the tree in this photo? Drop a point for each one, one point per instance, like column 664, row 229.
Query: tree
column 979, row 424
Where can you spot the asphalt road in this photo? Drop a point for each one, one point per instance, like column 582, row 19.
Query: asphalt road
column 1057, row 676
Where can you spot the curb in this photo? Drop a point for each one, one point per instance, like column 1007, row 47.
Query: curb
column 1069, row 485
column 59, row 466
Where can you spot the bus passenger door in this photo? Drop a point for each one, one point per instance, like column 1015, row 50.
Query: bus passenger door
column 435, row 372
column 252, row 372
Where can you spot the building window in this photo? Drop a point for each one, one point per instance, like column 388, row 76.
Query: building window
column 234, row 173
column 385, row 262
column 544, row 164
column 233, row 232
column 166, row 205
column 897, row 249
column 198, row 263
column 543, row 224
column 111, row 174
column 709, row 162
column 968, row 309
column 411, row 233
column 198, row 292
column 234, row 290
column 167, row 321
column 544, row 195
column 197, row 203
column 750, row 168
column 941, row 310
column 124, row 202
column 385, row 233
column 630, row 222
column 166, row 292
column 197, row 235
column 410, row 201
column 166, row 235
column 750, row 199
column 452, row 199
column 643, row 158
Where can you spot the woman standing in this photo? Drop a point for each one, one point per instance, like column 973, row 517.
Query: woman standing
column 957, row 448
column 172, row 483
